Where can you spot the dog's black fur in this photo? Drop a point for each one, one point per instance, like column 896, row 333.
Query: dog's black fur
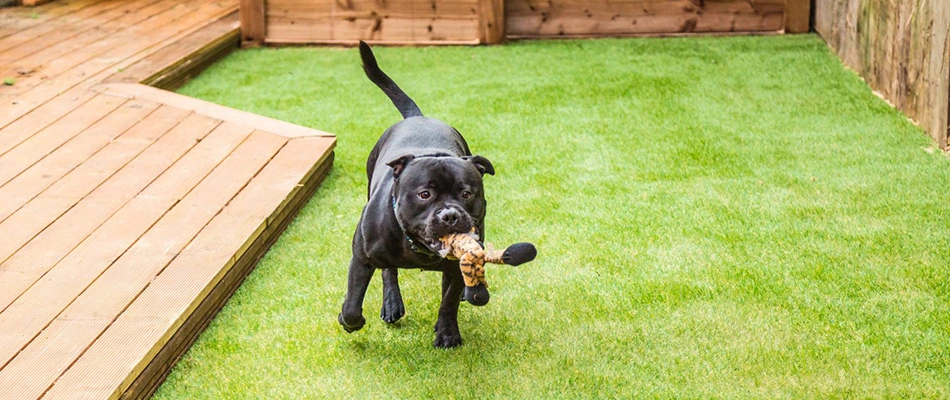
column 424, row 183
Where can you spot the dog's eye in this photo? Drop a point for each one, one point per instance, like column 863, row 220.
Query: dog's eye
column 425, row 195
column 466, row 195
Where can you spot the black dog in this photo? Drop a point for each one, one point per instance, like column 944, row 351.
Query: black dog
column 424, row 183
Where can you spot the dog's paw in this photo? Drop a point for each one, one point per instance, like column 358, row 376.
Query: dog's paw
column 392, row 311
column 352, row 325
column 447, row 341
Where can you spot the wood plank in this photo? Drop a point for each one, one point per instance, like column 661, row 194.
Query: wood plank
column 27, row 222
column 516, row 8
column 209, row 109
column 651, row 25
column 421, row 10
column 97, row 222
column 30, row 59
column 47, row 11
column 300, row 9
column 53, row 243
column 19, row 150
column 37, row 307
column 16, row 19
column 102, row 43
column 169, row 20
column 405, row 21
column 35, row 368
column 175, row 294
column 106, row 171
column 34, row 3
column 43, row 37
column 28, row 265
column 564, row 18
column 181, row 72
column 42, row 252
column 74, row 152
column 158, row 368
column 38, row 112
column 406, row 29
column 52, row 26
column 373, row 28
column 253, row 24
column 67, row 89
column 184, row 58
column 39, row 118
column 293, row 31
column 382, row 29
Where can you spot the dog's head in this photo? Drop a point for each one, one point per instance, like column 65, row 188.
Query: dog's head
column 436, row 195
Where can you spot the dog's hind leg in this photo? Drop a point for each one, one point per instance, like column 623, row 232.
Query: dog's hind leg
column 393, row 307
column 356, row 283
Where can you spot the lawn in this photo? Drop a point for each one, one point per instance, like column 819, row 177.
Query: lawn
column 716, row 218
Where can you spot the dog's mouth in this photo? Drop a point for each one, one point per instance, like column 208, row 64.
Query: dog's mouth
column 426, row 234
column 433, row 243
column 435, row 231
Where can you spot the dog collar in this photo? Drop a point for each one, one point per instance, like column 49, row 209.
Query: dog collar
column 412, row 244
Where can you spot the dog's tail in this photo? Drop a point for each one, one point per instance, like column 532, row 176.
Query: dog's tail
column 403, row 103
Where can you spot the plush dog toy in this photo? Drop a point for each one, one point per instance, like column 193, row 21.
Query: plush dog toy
column 472, row 258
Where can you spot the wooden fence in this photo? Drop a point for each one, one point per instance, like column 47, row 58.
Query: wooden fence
column 378, row 21
column 901, row 48
column 490, row 21
column 583, row 18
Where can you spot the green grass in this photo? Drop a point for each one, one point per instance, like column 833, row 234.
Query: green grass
column 716, row 218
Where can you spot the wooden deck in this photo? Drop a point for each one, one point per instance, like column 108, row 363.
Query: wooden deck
column 128, row 214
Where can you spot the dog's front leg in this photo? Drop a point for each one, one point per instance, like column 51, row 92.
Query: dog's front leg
column 393, row 307
column 357, row 281
column 447, row 327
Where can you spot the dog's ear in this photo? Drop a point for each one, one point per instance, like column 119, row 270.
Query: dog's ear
column 399, row 164
column 484, row 166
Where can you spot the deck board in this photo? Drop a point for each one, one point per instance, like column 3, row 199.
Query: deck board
column 71, row 154
column 38, row 35
column 94, row 206
column 63, row 36
column 190, row 276
column 103, row 46
column 162, row 69
column 72, row 86
column 129, row 214
column 19, row 19
column 92, row 312
column 21, row 148
column 33, row 260
column 188, row 217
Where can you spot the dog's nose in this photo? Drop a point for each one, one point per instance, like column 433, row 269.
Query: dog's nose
column 450, row 216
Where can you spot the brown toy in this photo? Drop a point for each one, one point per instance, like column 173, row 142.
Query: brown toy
column 472, row 258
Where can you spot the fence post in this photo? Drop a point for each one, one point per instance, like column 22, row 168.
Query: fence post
column 797, row 16
column 252, row 23
column 491, row 21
